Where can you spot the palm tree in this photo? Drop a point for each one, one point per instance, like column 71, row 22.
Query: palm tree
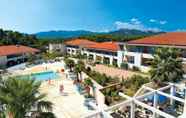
column 70, row 63
column 2, row 114
column 166, row 65
column 89, row 84
column 49, row 56
column 80, row 66
column 21, row 96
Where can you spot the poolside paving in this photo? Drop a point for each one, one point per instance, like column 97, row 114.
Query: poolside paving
column 70, row 104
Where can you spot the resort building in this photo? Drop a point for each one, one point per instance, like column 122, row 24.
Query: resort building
column 15, row 54
column 104, row 52
column 56, row 47
column 136, row 53
column 75, row 46
column 139, row 52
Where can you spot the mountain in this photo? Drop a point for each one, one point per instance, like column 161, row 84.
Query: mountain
column 133, row 32
column 63, row 34
column 77, row 33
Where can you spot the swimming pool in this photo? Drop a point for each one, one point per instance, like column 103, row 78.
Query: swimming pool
column 45, row 75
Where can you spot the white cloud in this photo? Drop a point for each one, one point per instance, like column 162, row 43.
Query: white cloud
column 154, row 29
column 181, row 30
column 135, row 21
column 135, row 24
column 152, row 20
column 163, row 22
column 128, row 25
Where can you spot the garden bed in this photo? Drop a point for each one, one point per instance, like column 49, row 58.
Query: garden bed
column 102, row 79
column 154, row 85
column 131, row 85
column 111, row 94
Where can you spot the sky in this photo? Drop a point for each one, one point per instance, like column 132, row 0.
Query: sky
column 31, row 16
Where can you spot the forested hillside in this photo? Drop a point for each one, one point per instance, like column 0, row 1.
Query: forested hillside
column 116, row 34
column 9, row 37
column 111, row 37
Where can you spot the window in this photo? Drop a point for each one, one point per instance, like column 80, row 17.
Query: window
column 133, row 48
column 146, row 49
column 183, row 53
column 121, row 47
column 115, row 54
column 90, row 57
column 146, row 61
column 106, row 60
column 12, row 56
column 130, row 59
column 85, row 55
column 115, row 62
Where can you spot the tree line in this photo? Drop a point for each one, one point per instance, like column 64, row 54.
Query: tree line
column 9, row 37
column 111, row 37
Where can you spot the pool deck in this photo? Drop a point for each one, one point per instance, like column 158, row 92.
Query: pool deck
column 70, row 104
column 56, row 67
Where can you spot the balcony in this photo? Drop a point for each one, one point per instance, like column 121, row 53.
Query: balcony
column 141, row 49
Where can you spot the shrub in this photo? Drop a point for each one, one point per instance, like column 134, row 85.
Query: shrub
column 130, row 92
column 88, row 82
column 102, row 79
column 115, row 64
column 98, row 62
column 124, row 65
column 133, row 83
column 135, row 68
column 88, row 69
column 111, row 95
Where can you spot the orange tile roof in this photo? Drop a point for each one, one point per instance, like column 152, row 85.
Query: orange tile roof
column 108, row 46
column 14, row 49
column 172, row 38
column 79, row 42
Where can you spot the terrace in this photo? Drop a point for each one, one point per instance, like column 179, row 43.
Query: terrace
column 167, row 101
column 114, row 81
column 115, row 72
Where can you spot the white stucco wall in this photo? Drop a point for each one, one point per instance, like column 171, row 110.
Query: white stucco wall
column 120, row 55
column 111, row 57
column 72, row 51
column 54, row 47
column 138, row 60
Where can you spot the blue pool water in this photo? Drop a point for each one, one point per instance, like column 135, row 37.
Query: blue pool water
column 45, row 76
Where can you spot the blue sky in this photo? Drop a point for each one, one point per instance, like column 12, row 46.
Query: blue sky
column 96, row 15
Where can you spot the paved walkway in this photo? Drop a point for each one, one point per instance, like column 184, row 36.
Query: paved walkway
column 68, row 105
